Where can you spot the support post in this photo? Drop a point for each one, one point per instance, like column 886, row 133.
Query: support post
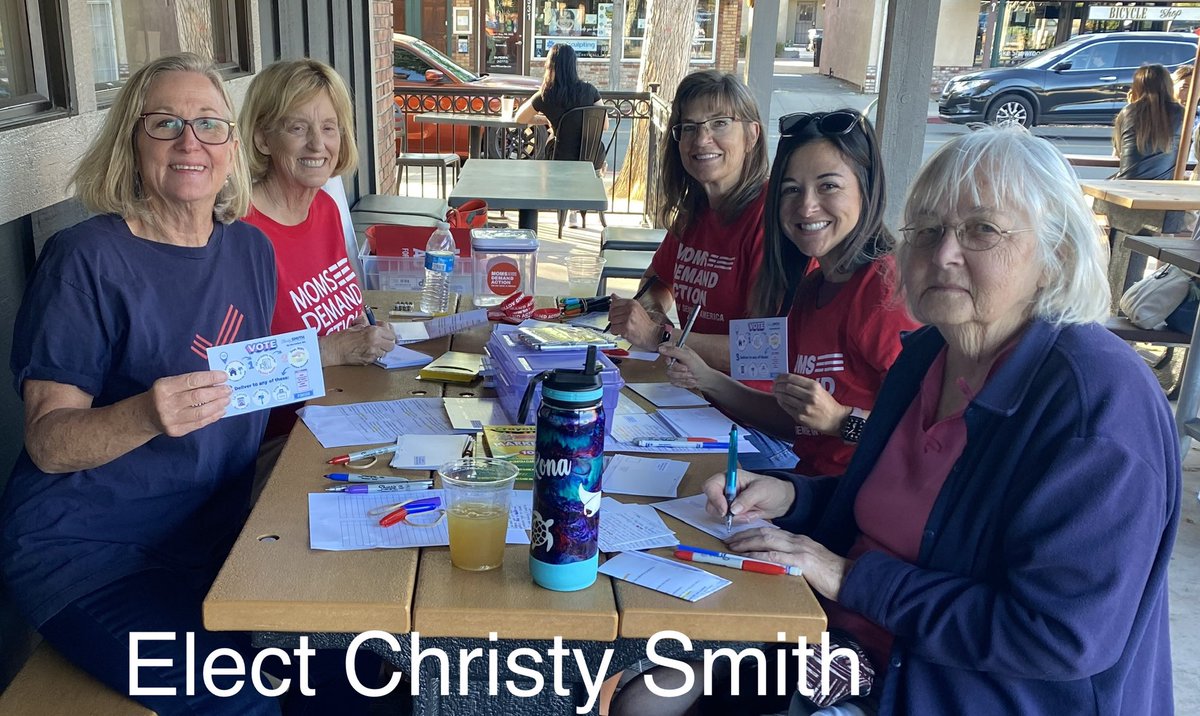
column 760, row 54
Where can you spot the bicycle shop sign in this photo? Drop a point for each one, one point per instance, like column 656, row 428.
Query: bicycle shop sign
column 1143, row 13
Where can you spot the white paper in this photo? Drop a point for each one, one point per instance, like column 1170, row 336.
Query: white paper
column 627, row 428
column 474, row 413
column 339, row 522
column 691, row 510
column 401, row 357
column 427, row 452
column 646, row 476
column 270, row 371
column 377, row 422
column 627, row 528
column 625, row 406
column 664, row 575
column 665, row 395
column 414, row 331
column 758, row 348
column 703, row 423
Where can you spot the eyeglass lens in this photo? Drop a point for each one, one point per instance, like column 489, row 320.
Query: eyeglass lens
column 972, row 236
column 717, row 126
column 209, row 130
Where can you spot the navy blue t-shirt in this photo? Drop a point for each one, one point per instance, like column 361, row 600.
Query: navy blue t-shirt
column 110, row 313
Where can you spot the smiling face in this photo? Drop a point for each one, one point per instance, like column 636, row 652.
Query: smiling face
column 820, row 201
column 992, row 290
column 183, row 171
column 715, row 161
column 304, row 147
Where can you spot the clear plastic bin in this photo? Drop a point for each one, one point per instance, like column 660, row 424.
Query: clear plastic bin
column 505, row 262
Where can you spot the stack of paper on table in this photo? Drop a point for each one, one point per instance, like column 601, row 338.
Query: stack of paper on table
column 414, row 331
column 428, row 452
column 376, row 422
column 664, row 575
column 454, row 367
column 628, row 528
column 401, row 357
column 665, row 395
column 339, row 522
column 691, row 510
column 474, row 413
column 646, row 476
column 628, row 428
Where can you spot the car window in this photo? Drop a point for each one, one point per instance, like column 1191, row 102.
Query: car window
column 1136, row 54
column 408, row 66
column 1099, row 56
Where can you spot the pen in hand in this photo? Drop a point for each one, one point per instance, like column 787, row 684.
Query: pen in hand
column 731, row 478
column 370, row 315
column 640, row 292
column 687, row 329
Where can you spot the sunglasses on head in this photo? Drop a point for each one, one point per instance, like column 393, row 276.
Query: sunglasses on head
column 830, row 124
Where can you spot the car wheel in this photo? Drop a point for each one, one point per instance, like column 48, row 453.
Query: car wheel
column 527, row 142
column 1011, row 109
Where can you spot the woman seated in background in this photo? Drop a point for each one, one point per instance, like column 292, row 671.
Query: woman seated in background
column 827, row 267
column 561, row 92
column 299, row 123
column 1146, row 132
column 714, row 169
column 1000, row 542
column 131, row 488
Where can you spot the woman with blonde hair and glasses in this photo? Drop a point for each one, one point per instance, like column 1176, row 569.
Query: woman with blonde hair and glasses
column 131, row 487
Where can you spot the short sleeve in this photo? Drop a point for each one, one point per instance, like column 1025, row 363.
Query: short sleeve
column 538, row 102
column 663, row 262
column 594, row 94
column 60, row 334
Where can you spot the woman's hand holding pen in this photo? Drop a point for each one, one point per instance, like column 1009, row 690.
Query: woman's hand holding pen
column 181, row 404
column 359, row 344
column 809, row 404
column 824, row 570
column 629, row 319
column 689, row 370
column 759, row 496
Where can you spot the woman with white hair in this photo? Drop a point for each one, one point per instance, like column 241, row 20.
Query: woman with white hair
column 1000, row 540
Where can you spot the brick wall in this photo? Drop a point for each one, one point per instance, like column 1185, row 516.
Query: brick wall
column 385, row 130
column 729, row 23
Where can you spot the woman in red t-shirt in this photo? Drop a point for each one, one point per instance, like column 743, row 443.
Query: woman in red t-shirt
column 714, row 171
column 827, row 267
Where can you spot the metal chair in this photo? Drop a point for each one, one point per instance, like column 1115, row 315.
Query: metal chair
column 586, row 123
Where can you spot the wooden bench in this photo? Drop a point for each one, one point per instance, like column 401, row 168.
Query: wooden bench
column 49, row 685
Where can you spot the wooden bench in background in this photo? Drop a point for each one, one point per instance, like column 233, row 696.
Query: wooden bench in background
column 49, row 685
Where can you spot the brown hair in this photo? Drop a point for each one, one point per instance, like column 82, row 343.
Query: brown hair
column 1149, row 109
column 683, row 195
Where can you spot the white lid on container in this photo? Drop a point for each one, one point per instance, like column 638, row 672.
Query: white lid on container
column 510, row 240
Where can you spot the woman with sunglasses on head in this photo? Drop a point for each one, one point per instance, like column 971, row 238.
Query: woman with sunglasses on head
column 714, row 170
column 827, row 267
column 131, row 488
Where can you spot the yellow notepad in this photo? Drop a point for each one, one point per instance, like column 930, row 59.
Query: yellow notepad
column 454, row 367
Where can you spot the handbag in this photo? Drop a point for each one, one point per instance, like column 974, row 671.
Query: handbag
column 472, row 214
column 1148, row 302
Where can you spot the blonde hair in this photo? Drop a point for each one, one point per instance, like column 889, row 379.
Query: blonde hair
column 107, row 179
column 283, row 87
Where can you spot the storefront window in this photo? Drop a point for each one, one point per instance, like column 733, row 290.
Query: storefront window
column 704, row 42
column 502, row 28
column 1029, row 29
column 583, row 24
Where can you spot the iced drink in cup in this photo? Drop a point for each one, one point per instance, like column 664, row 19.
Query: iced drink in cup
column 477, row 491
column 506, row 108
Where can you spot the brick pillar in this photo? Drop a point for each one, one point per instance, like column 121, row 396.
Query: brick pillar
column 385, row 126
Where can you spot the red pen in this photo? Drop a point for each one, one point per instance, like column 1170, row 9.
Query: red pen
column 362, row 454
column 734, row 562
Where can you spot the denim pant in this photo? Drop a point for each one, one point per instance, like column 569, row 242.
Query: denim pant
column 773, row 453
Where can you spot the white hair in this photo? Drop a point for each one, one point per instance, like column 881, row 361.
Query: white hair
column 1002, row 167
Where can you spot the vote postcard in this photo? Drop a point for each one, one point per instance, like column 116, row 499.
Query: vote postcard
column 758, row 348
column 271, row 371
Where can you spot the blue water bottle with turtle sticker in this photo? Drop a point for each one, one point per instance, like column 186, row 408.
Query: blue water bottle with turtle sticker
column 564, row 550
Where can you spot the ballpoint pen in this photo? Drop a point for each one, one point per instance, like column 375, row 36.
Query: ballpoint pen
column 731, row 468
column 736, row 562
column 400, row 511
column 351, row 457
column 370, row 479
column 370, row 315
column 687, row 329
column 706, row 444
column 407, row 486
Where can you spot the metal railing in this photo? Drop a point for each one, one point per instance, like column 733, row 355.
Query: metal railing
column 625, row 111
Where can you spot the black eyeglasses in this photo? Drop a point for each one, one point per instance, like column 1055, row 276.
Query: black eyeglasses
column 166, row 127
column 831, row 124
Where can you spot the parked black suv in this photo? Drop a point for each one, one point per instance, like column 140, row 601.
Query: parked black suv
column 1082, row 81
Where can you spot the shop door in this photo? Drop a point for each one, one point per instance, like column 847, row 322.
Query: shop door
column 503, row 38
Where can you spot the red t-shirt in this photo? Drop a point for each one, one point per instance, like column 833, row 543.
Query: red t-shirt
column 847, row 346
column 713, row 265
column 316, row 285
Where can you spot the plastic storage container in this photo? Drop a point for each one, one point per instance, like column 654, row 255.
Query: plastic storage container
column 505, row 261
column 393, row 258
column 514, row 364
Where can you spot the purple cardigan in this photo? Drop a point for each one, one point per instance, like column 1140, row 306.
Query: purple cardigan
column 1041, row 584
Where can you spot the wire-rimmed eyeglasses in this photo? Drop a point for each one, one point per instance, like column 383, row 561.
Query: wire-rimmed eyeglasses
column 830, row 124
column 166, row 127
column 972, row 235
column 717, row 127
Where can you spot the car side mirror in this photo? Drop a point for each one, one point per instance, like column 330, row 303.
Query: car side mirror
column 435, row 77
column 1062, row 66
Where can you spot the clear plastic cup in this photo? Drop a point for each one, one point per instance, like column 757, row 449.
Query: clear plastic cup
column 583, row 275
column 507, row 105
column 477, row 492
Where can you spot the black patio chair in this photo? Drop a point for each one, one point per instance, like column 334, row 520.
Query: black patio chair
column 586, row 124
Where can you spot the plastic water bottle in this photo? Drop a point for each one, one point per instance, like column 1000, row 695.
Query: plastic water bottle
column 439, row 265
column 564, row 550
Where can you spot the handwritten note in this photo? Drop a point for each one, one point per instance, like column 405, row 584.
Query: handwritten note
column 664, row 575
column 691, row 510
column 270, row 371
column 627, row 528
column 650, row 477
column 401, row 357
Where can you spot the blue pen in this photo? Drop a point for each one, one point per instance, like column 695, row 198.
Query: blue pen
column 699, row 550
column 731, row 478
column 370, row 315
column 693, row 444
